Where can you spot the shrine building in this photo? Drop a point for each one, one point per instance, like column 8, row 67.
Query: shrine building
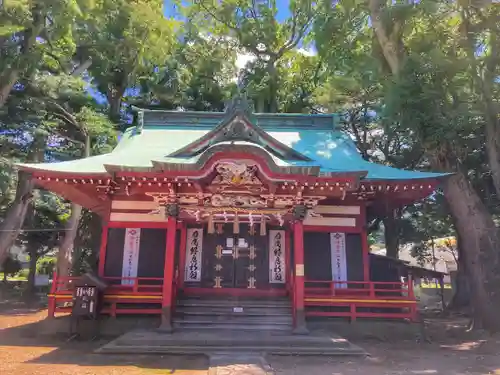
column 239, row 207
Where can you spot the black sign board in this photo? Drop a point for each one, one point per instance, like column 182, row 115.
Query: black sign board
column 85, row 300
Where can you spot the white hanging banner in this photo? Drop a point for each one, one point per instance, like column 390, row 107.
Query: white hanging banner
column 194, row 246
column 339, row 263
column 277, row 266
column 131, row 254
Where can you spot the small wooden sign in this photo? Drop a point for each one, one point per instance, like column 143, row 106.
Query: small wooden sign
column 299, row 270
column 85, row 301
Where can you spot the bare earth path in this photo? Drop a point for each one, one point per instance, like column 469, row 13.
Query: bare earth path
column 22, row 352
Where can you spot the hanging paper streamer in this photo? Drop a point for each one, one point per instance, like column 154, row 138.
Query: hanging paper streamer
column 338, row 256
column 131, row 254
column 236, row 224
column 211, row 226
column 262, row 226
column 277, row 264
column 194, row 246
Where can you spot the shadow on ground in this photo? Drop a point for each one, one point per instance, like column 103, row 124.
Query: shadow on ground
column 394, row 346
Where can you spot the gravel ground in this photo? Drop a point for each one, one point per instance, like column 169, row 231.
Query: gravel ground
column 22, row 352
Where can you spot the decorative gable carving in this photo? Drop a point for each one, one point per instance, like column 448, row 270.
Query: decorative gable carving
column 237, row 126
column 229, row 173
column 236, row 130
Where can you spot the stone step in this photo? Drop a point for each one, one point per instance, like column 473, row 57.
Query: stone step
column 258, row 349
column 234, row 319
column 233, row 303
column 240, row 327
column 228, row 311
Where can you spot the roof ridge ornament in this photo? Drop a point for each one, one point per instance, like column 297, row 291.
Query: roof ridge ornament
column 240, row 103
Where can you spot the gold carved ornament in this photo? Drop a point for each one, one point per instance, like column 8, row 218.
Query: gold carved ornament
column 218, row 251
column 251, row 283
column 253, row 254
column 218, row 281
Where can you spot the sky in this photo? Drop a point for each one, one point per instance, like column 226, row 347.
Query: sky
column 282, row 5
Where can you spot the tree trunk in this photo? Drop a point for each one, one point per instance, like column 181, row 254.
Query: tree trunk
column 7, row 82
column 391, row 234
column 14, row 219
column 390, row 43
column 273, row 86
column 32, row 251
column 461, row 291
column 474, row 224
column 10, row 76
column 64, row 256
column 479, row 240
column 115, row 95
column 484, row 81
column 461, row 296
column 11, row 226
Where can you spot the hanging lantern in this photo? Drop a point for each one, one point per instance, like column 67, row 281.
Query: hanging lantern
column 236, row 224
column 211, row 226
column 262, row 226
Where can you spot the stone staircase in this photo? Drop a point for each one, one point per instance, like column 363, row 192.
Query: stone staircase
column 229, row 313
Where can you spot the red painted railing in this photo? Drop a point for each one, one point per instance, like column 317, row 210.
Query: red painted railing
column 360, row 299
column 138, row 291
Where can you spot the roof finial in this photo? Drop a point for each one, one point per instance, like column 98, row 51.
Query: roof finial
column 140, row 121
column 240, row 103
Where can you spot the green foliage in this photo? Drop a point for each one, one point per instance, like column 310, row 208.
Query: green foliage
column 10, row 266
column 46, row 265
column 126, row 41
column 23, row 274
column 54, row 53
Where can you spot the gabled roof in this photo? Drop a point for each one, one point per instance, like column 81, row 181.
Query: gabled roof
column 238, row 126
column 182, row 138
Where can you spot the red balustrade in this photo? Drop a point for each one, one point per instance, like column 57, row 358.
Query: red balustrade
column 121, row 291
column 360, row 299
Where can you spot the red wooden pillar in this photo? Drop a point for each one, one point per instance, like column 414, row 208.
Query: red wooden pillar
column 182, row 256
column 365, row 247
column 168, row 276
column 298, row 248
column 288, row 260
column 102, row 250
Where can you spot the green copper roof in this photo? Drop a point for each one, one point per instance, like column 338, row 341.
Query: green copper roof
column 164, row 132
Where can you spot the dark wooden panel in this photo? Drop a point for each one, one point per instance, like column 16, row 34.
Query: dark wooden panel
column 114, row 252
column 235, row 272
column 261, row 260
column 317, row 256
column 208, row 260
column 354, row 255
column 152, row 252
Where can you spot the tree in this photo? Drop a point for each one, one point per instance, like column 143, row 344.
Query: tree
column 10, row 267
column 428, row 96
column 479, row 32
column 41, row 234
column 32, row 29
column 198, row 76
column 56, row 107
column 254, row 27
column 125, row 40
